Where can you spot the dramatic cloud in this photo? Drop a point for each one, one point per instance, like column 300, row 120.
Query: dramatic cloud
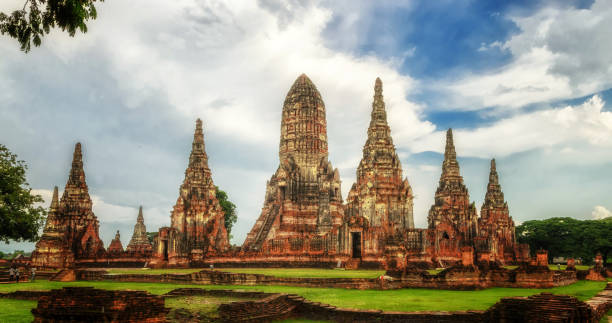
column 571, row 130
column 559, row 53
column 131, row 88
column 600, row 212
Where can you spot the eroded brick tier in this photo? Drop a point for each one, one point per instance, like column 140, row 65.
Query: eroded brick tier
column 197, row 219
column 303, row 201
column 73, row 223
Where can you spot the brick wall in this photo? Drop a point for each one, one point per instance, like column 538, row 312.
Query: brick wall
column 86, row 304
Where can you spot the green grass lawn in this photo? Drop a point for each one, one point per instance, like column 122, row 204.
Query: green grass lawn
column 388, row 300
column 16, row 311
column 308, row 272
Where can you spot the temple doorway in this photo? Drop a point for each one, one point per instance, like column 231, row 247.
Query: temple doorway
column 356, row 237
column 165, row 246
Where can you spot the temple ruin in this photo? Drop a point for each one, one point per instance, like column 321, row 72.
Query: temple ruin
column 304, row 221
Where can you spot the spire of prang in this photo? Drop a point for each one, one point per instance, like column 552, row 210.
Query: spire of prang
column 379, row 131
column 77, row 175
column 494, row 195
column 54, row 201
column 450, row 166
column 140, row 218
column 198, row 157
column 76, row 192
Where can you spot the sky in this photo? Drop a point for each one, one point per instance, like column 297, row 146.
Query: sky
column 526, row 82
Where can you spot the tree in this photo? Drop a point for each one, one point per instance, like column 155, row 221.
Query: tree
column 20, row 218
column 30, row 25
column 568, row 237
column 228, row 207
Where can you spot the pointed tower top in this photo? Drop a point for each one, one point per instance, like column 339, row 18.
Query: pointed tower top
column 450, row 166
column 55, row 200
column 77, row 175
column 117, row 236
column 303, row 125
column 379, row 133
column 494, row 196
column 198, row 157
column 140, row 218
column 76, row 196
column 493, row 177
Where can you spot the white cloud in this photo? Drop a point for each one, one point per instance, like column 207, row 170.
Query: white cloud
column 600, row 212
column 572, row 130
column 559, row 53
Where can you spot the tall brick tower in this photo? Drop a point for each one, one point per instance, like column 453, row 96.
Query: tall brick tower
column 452, row 219
column 52, row 249
column 303, row 197
column 381, row 194
column 75, row 209
column 495, row 223
column 197, row 219
column 71, row 230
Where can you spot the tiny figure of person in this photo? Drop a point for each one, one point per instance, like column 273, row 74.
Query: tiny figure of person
column 212, row 267
column 17, row 274
column 33, row 274
column 12, row 273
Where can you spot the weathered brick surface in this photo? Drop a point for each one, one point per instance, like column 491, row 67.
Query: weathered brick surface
column 86, row 304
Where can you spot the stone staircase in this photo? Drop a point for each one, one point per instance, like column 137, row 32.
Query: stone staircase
column 265, row 228
column 64, row 275
column 5, row 277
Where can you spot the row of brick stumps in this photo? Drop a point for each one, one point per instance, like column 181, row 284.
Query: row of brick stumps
column 87, row 304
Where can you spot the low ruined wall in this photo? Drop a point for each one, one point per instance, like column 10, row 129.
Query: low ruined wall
column 459, row 277
column 272, row 308
column 472, row 277
column 28, row 295
column 87, row 304
column 602, row 302
column 544, row 307
column 215, row 292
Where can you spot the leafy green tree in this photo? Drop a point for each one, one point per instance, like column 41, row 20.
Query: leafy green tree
column 151, row 236
column 20, row 218
column 38, row 17
column 229, row 208
column 568, row 237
